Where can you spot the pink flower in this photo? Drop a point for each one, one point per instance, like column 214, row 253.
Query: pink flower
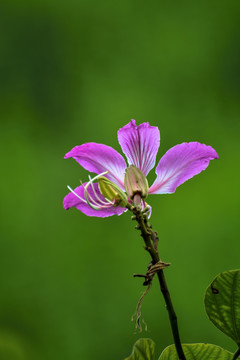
column 140, row 145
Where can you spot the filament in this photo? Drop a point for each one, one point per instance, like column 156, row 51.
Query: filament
column 79, row 197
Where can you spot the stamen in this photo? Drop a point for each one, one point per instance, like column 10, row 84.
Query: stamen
column 79, row 197
column 89, row 197
column 95, row 193
column 94, row 200
column 88, row 194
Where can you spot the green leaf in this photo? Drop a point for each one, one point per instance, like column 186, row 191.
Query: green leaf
column 197, row 352
column 222, row 303
column 143, row 349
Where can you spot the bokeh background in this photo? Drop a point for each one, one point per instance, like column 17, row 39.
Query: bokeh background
column 77, row 71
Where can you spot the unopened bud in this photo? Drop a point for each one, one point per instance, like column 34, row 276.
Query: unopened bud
column 135, row 182
column 112, row 192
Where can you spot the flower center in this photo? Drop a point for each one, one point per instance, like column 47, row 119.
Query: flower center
column 103, row 195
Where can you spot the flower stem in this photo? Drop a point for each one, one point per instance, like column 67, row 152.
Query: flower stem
column 236, row 354
column 151, row 241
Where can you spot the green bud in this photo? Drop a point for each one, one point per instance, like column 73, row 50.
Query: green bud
column 135, row 182
column 112, row 192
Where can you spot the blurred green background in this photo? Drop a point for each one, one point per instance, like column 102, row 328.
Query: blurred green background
column 77, row 71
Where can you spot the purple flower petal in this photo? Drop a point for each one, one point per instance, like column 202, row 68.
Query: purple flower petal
column 98, row 158
column 140, row 144
column 179, row 164
column 71, row 200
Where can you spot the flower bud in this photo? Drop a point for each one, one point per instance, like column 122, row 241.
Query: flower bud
column 135, row 182
column 112, row 192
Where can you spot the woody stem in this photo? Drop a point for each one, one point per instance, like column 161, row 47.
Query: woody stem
column 150, row 238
